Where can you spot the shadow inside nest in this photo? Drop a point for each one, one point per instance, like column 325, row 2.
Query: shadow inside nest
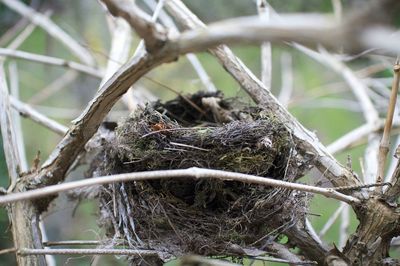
column 208, row 216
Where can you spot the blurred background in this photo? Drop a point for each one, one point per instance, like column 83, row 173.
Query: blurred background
column 320, row 98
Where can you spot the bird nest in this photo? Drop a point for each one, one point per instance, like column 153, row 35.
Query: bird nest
column 206, row 216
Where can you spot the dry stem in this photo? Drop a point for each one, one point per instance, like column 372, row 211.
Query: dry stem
column 193, row 172
column 384, row 146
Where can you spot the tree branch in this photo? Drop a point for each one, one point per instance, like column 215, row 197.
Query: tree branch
column 27, row 111
column 153, row 34
column 305, row 140
column 23, row 216
column 51, row 61
column 193, row 172
column 54, row 169
column 52, row 29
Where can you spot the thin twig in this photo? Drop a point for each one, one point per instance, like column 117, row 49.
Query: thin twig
column 192, row 260
column 344, row 225
column 287, row 79
column 353, row 137
column 331, row 220
column 357, row 86
column 193, row 172
column 61, row 82
column 51, row 61
column 337, row 9
column 384, row 145
column 192, row 58
column 71, row 243
column 7, row 250
column 27, row 111
column 371, row 157
column 52, row 29
column 24, row 34
column 86, row 251
column 266, row 53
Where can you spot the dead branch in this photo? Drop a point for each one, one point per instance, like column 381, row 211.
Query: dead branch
column 306, row 140
column 27, row 111
column 51, row 61
column 193, row 172
column 153, row 34
column 7, row 130
column 281, row 251
column 266, row 53
column 87, row 251
column 52, row 29
column 384, row 145
column 54, row 169
column 192, row 58
column 192, row 260
column 24, row 217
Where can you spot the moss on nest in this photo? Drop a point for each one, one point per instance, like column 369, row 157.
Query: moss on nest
column 207, row 217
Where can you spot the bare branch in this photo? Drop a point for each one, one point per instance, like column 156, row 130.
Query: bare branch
column 371, row 158
column 344, row 225
column 23, row 35
column 7, row 132
column 266, row 53
column 337, row 9
column 153, row 34
column 71, row 243
column 54, row 169
column 63, row 81
column 25, row 221
column 287, row 79
column 77, row 251
column 305, row 140
column 52, row 29
column 331, row 220
column 27, row 111
column 16, row 118
column 7, row 250
column 284, row 253
column 384, row 145
column 308, row 31
column 51, row 61
column 353, row 137
column 192, row 58
column 121, row 39
column 356, row 85
column 193, row 260
column 167, row 174
column 121, row 42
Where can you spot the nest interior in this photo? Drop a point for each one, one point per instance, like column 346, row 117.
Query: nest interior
column 206, row 216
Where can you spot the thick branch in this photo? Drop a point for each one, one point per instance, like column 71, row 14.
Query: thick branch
column 23, row 215
column 153, row 34
column 86, row 125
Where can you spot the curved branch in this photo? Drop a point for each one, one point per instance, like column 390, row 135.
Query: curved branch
column 153, row 34
column 193, row 172
column 86, row 125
